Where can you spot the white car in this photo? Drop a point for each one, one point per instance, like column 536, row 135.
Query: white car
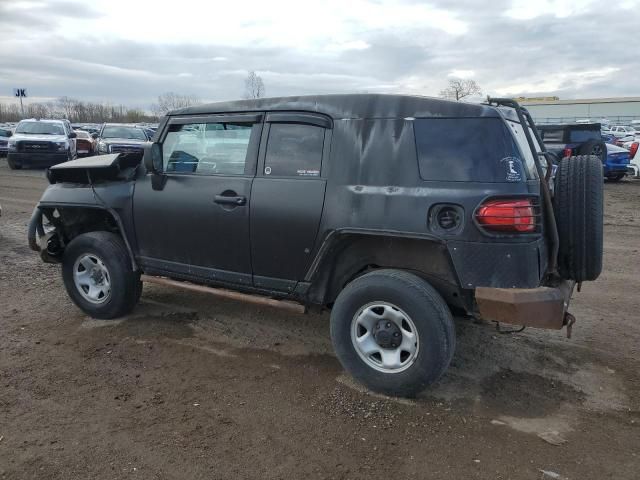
column 633, row 169
column 620, row 131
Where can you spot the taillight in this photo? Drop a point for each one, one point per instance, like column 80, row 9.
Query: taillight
column 514, row 216
column 633, row 150
column 567, row 152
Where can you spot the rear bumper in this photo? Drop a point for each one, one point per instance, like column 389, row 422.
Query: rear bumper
column 542, row 307
column 38, row 159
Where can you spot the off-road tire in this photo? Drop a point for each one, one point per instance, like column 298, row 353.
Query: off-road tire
column 125, row 282
column 428, row 312
column 578, row 206
column 13, row 165
column 590, row 147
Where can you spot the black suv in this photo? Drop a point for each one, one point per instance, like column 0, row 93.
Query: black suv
column 392, row 211
column 566, row 140
column 122, row 138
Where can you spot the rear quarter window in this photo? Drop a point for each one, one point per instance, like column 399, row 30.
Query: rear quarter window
column 584, row 135
column 467, row 150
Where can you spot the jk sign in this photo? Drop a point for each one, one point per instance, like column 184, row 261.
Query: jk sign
column 20, row 92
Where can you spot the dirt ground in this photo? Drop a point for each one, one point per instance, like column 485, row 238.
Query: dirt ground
column 192, row 387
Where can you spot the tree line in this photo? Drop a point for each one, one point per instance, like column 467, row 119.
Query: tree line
column 76, row 111
column 79, row 111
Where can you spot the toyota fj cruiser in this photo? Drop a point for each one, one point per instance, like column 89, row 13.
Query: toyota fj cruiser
column 392, row 211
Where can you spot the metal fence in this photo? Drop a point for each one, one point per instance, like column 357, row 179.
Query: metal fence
column 613, row 120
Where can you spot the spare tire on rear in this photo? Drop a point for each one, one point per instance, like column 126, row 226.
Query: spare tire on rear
column 578, row 206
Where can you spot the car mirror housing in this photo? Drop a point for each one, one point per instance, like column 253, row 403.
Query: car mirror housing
column 73, row 135
column 94, row 136
column 153, row 158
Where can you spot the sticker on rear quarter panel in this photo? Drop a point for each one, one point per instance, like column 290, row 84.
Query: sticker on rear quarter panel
column 513, row 168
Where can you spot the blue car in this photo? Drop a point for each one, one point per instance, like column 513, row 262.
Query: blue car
column 615, row 167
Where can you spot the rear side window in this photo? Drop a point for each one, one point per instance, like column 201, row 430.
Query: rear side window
column 294, row 150
column 467, row 150
column 584, row 135
column 552, row 135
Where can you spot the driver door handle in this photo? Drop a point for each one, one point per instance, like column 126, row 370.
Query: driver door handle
column 237, row 201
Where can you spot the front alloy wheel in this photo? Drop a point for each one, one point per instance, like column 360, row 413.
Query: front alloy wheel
column 92, row 279
column 98, row 275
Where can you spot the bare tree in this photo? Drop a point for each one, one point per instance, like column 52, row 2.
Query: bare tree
column 171, row 101
column 459, row 88
column 253, row 86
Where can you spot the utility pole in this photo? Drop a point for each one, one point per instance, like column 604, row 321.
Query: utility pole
column 20, row 93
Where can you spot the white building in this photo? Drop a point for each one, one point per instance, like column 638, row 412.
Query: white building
column 621, row 110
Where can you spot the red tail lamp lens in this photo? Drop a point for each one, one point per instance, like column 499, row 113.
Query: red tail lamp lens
column 633, row 150
column 566, row 152
column 514, row 216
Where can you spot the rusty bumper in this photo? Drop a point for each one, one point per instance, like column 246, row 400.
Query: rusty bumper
column 542, row 307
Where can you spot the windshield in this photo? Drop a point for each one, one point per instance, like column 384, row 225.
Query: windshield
column 40, row 128
column 123, row 132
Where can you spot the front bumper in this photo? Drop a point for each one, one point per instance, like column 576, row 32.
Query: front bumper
column 542, row 307
column 38, row 159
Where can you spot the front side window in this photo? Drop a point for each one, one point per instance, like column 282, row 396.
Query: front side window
column 294, row 150
column 207, row 148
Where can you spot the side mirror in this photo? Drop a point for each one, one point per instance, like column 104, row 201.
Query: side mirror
column 94, row 136
column 153, row 158
column 9, row 133
column 73, row 135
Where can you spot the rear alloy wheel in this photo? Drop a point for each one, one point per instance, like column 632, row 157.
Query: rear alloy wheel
column 617, row 178
column 385, row 337
column 595, row 148
column 392, row 332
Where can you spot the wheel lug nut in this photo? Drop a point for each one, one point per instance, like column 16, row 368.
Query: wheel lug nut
column 388, row 324
column 396, row 334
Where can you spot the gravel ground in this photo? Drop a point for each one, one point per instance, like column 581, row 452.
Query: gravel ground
column 190, row 386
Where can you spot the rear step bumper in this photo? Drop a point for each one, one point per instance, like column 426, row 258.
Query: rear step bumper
column 542, row 307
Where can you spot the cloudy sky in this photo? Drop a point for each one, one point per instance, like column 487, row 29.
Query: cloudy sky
column 129, row 51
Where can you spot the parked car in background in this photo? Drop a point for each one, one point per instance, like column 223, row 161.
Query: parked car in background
column 633, row 169
column 615, row 168
column 122, row 138
column 86, row 144
column 41, row 143
column 5, row 133
column 621, row 131
column 566, row 140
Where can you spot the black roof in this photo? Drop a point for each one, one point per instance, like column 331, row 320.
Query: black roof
column 365, row 105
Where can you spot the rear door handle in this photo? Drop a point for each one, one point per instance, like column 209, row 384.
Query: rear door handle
column 237, row 201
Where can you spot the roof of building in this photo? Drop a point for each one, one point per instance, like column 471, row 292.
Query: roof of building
column 579, row 101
